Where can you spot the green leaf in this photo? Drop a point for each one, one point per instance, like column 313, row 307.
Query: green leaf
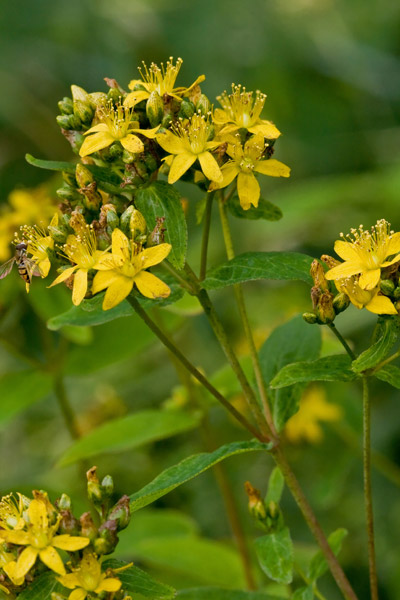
column 160, row 199
column 212, row 593
column 304, row 593
column 265, row 210
column 329, row 368
column 275, row 555
column 390, row 374
column 187, row 469
column 260, row 265
column 318, row 565
column 50, row 165
column 130, row 432
column 135, row 581
column 20, row 389
column 291, row 342
column 387, row 334
column 90, row 311
column 41, row 588
column 275, row 486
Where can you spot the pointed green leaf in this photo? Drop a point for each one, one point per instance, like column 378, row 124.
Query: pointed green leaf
column 265, row 210
column 20, row 389
column 318, row 565
column 390, row 374
column 276, row 484
column 135, row 581
column 304, row 593
column 388, row 329
column 189, row 468
column 130, row 432
column 291, row 342
column 212, row 593
column 275, row 555
column 101, row 174
column 50, row 165
column 160, row 199
column 329, row 368
column 260, row 265
column 41, row 588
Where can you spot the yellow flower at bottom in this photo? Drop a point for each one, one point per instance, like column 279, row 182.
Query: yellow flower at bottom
column 41, row 541
column 372, row 300
column 245, row 162
column 126, row 266
column 89, row 578
column 304, row 425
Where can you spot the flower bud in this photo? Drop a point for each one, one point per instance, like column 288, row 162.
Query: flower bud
column 387, row 286
column 93, row 486
column 108, row 485
column 310, row 318
column 77, row 222
column 273, row 510
column 64, row 502
column 155, row 109
column 88, row 187
column 187, row 109
column 203, row 105
column 114, row 94
column 84, row 111
column 66, row 106
column 396, row 292
column 115, row 151
column 112, row 219
column 325, row 311
column 69, row 122
column 69, row 178
column 83, row 176
column 107, row 539
column 137, row 224
column 120, row 513
column 330, row 261
column 256, row 504
column 125, row 220
column 59, row 233
column 128, row 157
column 88, row 528
column 167, row 120
column 211, row 132
column 318, row 274
column 69, row 193
column 98, row 99
column 340, row 302
column 68, row 523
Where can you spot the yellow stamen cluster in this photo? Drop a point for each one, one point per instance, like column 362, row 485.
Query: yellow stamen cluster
column 160, row 79
column 242, row 107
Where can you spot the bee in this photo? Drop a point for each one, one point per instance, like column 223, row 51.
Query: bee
column 27, row 268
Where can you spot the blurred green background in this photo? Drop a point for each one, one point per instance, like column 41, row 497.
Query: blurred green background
column 331, row 70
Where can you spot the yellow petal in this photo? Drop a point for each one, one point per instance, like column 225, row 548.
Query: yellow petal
column 44, row 267
column 248, row 190
column 96, row 142
column 16, row 537
column 38, row 514
column 25, row 561
column 220, row 116
column 50, row 557
column 254, row 147
column 135, row 97
column 196, row 82
column 78, row 594
column 108, row 262
column 70, row 542
column 170, row 143
column 69, row 581
column 150, row 286
column 394, row 245
column 210, row 167
column 181, row 163
column 100, row 127
column 103, row 279
column 110, row 584
column 347, row 251
column 117, row 291
column 120, row 244
column 381, row 305
column 10, row 569
column 272, row 167
column 149, row 133
column 344, row 270
column 132, row 143
column 229, row 172
column 266, row 128
column 54, row 220
column 153, row 256
column 369, row 279
column 64, row 275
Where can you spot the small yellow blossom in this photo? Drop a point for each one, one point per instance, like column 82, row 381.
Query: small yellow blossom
column 304, row 425
column 9, row 565
column 366, row 253
column 188, row 142
column 373, row 300
column 39, row 243
column 82, row 250
column 126, row 266
column 240, row 110
column 116, row 125
column 88, row 578
column 41, row 541
column 245, row 162
column 12, row 511
column 158, row 79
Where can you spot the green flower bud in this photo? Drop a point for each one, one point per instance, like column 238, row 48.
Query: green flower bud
column 69, row 178
column 69, row 122
column 108, row 535
column 340, row 302
column 98, row 99
column 115, row 151
column 125, row 220
column 187, row 109
column 64, row 502
column 310, row 318
column 256, row 504
column 120, row 513
column 211, row 132
column 167, row 120
column 93, row 487
column 84, row 111
column 83, row 176
column 112, row 220
column 155, row 109
column 396, row 292
column 114, row 94
column 325, row 311
column 273, row 510
column 137, row 224
column 128, row 157
column 387, row 286
column 59, row 235
column 108, row 485
column 68, row 193
column 66, row 106
column 203, row 105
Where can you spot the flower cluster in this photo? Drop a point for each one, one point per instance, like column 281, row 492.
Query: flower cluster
column 35, row 536
column 125, row 141
column 368, row 278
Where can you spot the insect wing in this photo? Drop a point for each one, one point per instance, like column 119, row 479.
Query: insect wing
column 32, row 268
column 5, row 268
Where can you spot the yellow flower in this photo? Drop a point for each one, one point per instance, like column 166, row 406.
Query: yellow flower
column 12, row 510
column 245, row 162
column 39, row 242
column 126, row 266
column 117, row 125
column 81, row 250
column 373, row 300
column 88, row 578
column 9, row 565
column 40, row 541
column 240, row 110
column 366, row 253
column 187, row 143
column 158, row 79
column 304, row 425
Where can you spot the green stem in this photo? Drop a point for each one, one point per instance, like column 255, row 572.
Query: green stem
column 368, row 490
column 206, row 235
column 192, row 369
column 308, row 582
column 65, row 406
column 238, row 290
column 341, row 339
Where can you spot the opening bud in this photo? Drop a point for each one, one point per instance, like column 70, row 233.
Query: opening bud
column 66, row 106
column 108, row 485
column 387, row 287
column 318, row 274
column 95, row 492
column 341, row 302
column 137, row 225
column 120, row 513
column 256, row 503
column 155, row 109
column 187, row 109
column 325, row 311
column 203, row 105
column 64, row 502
